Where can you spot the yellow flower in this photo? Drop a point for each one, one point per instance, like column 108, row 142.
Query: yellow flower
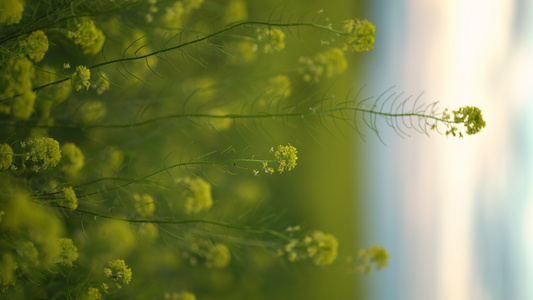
column 35, row 45
column 5, row 159
column 7, row 270
column 372, row 256
column 71, row 201
column 144, row 204
column 333, row 60
column 361, row 35
column 23, row 106
column 470, row 116
column 73, row 159
column 28, row 256
column 218, row 256
column 10, row 11
column 16, row 81
column 92, row 293
column 328, row 63
column 92, row 112
column 244, row 51
column 44, row 152
column 90, row 38
column 220, row 124
column 68, row 252
column 273, row 39
column 81, row 78
column 235, row 11
column 187, row 296
column 201, row 199
column 119, row 272
column 324, row 249
column 287, row 156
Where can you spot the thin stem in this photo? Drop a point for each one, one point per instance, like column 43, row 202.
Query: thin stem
column 231, row 27
column 235, row 116
column 133, row 180
column 254, row 229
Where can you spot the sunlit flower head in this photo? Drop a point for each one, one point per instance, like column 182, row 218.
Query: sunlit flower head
column 374, row 256
column 322, row 248
column 287, row 157
column 360, row 35
column 81, row 79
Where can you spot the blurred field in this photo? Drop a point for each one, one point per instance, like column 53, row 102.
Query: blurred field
column 321, row 193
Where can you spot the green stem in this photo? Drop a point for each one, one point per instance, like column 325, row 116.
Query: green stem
column 238, row 116
column 133, row 180
column 253, row 229
column 231, row 27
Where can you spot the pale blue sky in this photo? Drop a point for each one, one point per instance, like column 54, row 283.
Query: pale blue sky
column 457, row 215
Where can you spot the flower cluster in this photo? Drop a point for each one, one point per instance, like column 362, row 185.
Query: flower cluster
column 28, row 256
column 68, row 253
column 92, row 111
column 147, row 233
column 374, row 256
column 279, row 87
column 72, row 159
column 71, row 201
column 273, row 39
column 11, row 11
column 90, row 38
column 44, row 152
column 201, row 199
column 81, row 78
column 287, row 157
column 220, row 124
column 35, row 45
column 144, row 205
column 101, row 85
column 327, row 63
column 180, row 296
column 471, row 118
column 119, row 272
column 8, row 266
column 6, row 160
column 218, row 256
column 176, row 12
column 235, row 11
column 16, row 82
column 360, row 35
column 243, row 52
column 214, row 255
column 320, row 247
column 92, row 293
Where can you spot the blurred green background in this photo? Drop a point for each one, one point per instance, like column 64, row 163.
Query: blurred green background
column 324, row 192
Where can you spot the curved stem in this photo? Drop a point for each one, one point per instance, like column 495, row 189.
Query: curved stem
column 254, row 229
column 208, row 36
column 237, row 116
column 133, row 180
